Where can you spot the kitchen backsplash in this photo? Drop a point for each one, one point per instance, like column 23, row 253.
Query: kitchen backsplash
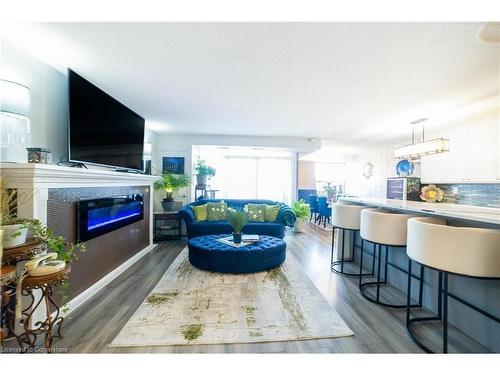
column 485, row 195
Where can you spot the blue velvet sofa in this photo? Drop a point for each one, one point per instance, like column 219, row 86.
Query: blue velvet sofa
column 194, row 228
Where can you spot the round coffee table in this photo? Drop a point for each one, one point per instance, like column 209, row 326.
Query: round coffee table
column 206, row 253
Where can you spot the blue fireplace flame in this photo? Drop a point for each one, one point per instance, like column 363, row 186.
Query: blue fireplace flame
column 101, row 217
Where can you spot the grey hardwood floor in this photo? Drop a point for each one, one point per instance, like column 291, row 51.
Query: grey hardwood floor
column 93, row 326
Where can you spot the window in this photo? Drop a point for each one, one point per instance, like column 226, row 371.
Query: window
column 333, row 173
column 245, row 173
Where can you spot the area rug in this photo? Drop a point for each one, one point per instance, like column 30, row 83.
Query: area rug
column 190, row 306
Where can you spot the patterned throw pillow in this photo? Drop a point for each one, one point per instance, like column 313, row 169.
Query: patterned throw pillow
column 216, row 211
column 200, row 212
column 272, row 211
column 257, row 212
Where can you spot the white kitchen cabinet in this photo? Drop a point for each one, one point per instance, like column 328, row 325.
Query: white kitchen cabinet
column 473, row 156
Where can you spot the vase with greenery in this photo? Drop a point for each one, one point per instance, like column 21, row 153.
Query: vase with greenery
column 302, row 211
column 13, row 229
column 203, row 172
column 237, row 219
column 171, row 183
column 330, row 190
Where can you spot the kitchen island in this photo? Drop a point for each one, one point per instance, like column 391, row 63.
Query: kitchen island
column 473, row 215
column 483, row 293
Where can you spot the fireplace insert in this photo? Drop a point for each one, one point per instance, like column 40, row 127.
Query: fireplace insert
column 99, row 216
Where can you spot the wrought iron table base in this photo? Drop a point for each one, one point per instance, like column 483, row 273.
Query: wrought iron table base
column 33, row 330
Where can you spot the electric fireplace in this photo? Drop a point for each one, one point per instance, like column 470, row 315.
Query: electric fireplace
column 99, row 216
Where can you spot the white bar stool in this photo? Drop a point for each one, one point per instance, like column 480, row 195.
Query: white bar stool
column 346, row 217
column 461, row 251
column 384, row 229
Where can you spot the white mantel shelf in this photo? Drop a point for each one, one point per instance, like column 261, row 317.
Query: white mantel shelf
column 486, row 215
column 26, row 175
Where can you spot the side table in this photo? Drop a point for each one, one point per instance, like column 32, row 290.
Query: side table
column 10, row 258
column 7, row 288
column 167, row 225
column 45, row 284
column 22, row 252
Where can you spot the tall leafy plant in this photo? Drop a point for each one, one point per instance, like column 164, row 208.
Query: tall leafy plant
column 171, row 183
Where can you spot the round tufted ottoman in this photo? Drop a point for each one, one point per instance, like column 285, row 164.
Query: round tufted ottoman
column 207, row 253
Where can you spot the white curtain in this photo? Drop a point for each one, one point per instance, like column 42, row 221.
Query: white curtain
column 254, row 177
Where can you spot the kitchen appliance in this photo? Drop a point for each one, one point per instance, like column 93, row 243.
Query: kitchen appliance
column 403, row 188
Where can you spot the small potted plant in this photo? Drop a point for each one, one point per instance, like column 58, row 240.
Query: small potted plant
column 237, row 219
column 14, row 230
column 302, row 211
column 203, row 172
column 66, row 251
column 329, row 190
column 171, row 183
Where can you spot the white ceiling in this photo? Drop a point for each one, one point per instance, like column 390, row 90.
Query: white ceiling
column 348, row 81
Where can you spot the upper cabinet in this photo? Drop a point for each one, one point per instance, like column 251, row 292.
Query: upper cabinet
column 474, row 155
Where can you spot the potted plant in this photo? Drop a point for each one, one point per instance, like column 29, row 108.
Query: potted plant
column 67, row 252
column 329, row 190
column 237, row 219
column 171, row 183
column 14, row 230
column 302, row 211
column 203, row 172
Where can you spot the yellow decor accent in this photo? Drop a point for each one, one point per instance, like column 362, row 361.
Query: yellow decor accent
column 200, row 212
column 272, row 211
column 217, row 211
column 431, row 194
column 256, row 212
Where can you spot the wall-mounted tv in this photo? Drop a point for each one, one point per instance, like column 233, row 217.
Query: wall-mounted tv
column 102, row 130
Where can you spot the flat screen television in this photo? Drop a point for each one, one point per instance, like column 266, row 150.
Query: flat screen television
column 102, row 130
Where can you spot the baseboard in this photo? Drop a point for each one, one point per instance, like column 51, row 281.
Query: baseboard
column 88, row 293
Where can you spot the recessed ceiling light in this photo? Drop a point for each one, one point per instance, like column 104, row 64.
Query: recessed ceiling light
column 312, row 139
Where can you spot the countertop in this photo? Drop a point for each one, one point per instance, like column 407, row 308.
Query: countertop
column 476, row 214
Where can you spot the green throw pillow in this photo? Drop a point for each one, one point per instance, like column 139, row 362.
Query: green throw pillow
column 257, row 212
column 272, row 211
column 217, row 211
column 200, row 212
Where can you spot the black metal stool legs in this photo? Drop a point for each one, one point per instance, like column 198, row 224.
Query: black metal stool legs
column 442, row 314
column 380, row 282
column 442, row 310
column 342, row 260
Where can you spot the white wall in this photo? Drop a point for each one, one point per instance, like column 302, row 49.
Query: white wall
column 182, row 144
column 49, row 96
column 49, row 100
column 380, row 156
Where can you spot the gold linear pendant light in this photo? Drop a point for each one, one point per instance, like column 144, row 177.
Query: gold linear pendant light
column 423, row 148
